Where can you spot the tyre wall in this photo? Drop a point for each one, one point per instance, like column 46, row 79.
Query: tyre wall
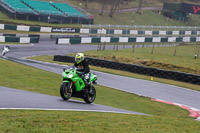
column 173, row 75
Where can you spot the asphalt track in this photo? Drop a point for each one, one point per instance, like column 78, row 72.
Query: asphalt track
column 19, row 99
column 137, row 86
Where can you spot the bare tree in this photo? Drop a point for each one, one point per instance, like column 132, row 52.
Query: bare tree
column 114, row 5
column 86, row 4
column 139, row 7
column 103, row 2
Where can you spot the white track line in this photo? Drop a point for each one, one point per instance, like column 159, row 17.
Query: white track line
column 81, row 110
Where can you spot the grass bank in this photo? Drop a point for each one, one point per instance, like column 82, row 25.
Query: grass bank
column 147, row 18
column 166, row 118
column 126, row 18
column 176, row 58
column 124, row 73
column 84, row 122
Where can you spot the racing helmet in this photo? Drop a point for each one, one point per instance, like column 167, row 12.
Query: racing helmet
column 79, row 58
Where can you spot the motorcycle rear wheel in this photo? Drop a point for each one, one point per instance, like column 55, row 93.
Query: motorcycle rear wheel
column 91, row 95
column 65, row 91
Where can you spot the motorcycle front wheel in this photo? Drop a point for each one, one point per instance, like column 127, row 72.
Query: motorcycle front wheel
column 65, row 91
column 91, row 95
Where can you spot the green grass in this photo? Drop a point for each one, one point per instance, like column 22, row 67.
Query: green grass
column 162, row 57
column 166, row 118
column 147, row 18
column 124, row 73
column 84, row 122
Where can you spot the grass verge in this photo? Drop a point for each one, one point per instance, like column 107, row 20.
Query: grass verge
column 179, row 58
column 84, row 122
column 124, row 73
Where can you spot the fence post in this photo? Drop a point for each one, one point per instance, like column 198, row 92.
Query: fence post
column 124, row 46
column 152, row 50
column 117, row 47
column 175, row 51
column 104, row 46
column 114, row 47
column 198, row 52
column 133, row 46
column 100, row 47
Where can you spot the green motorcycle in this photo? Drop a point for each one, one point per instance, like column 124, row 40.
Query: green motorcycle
column 74, row 86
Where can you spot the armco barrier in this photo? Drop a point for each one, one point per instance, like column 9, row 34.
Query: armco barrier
column 82, row 40
column 178, row 76
column 125, row 32
column 19, row 39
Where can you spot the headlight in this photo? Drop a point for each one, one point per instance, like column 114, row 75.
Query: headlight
column 70, row 76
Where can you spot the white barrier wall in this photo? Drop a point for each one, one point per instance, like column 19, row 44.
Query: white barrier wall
column 123, row 39
column 140, row 39
column 188, row 32
column 2, row 38
column 162, row 32
column 45, row 29
column 23, row 28
column 175, row 32
column 172, row 39
column 148, row 32
column 87, row 31
column 105, row 39
column 24, row 40
column 101, row 31
column 117, row 31
column 186, row 39
column 156, row 39
column 133, row 32
column 86, row 40
column 2, row 26
column 63, row 41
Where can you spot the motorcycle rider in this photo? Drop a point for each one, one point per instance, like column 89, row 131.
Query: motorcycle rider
column 82, row 64
column 6, row 49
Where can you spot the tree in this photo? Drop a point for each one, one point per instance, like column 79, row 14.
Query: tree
column 114, row 5
column 103, row 2
column 139, row 7
column 86, row 4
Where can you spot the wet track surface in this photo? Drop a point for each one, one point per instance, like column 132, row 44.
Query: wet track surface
column 19, row 99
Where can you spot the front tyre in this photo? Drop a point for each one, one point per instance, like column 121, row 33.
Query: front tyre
column 65, row 91
column 91, row 95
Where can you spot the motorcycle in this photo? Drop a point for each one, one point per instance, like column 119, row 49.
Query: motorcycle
column 6, row 49
column 75, row 86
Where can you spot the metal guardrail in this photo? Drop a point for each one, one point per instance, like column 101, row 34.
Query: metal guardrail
column 140, row 27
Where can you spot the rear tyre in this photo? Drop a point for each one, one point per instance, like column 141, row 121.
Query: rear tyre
column 91, row 95
column 65, row 91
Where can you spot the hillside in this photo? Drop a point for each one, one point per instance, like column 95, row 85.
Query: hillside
column 128, row 17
